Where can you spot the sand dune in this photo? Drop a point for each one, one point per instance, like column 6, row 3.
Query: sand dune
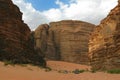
column 34, row 73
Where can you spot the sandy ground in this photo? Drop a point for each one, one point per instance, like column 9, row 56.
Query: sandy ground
column 34, row 73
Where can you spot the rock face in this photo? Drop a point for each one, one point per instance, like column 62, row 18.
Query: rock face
column 15, row 38
column 41, row 34
column 104, row 46
column 64, row 40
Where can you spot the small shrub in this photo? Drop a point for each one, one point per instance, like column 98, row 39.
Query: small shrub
column 23, row 65
column 77, row 71
column 30, row 69
column 63, row 71
column 6, row 62
column 47, row 69
column 114, row 71
column 93, row 71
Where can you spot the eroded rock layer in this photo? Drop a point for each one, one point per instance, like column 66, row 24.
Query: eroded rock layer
column 15, row 39
column 104, row 47
column 64, row 40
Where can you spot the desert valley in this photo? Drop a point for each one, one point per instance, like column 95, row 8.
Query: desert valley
column 62, row 50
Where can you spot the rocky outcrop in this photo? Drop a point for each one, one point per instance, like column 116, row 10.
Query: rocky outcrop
column 104, row 46
column 41, row 34
column 65, row 40
column 15, row 37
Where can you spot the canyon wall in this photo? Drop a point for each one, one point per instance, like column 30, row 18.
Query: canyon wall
column 65, row 40
column 15, row 36
column 81, row 42
column 104, row 46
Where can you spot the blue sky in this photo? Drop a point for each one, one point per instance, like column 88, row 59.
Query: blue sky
column 46, row 4
column 36, row 12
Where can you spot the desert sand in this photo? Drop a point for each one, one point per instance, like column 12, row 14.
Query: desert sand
column 29, row 72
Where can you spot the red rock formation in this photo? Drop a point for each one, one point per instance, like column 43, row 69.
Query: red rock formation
column 64, row 40
column 41, row 34
column 15, row 44
column 104, row 48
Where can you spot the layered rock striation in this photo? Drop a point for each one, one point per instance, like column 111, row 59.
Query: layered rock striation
column 15, row 38
column 65, row 40
column 104, row 46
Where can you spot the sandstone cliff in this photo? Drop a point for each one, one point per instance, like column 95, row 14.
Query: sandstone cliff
column 15, row 38
column 104, row 46
column 64, row 40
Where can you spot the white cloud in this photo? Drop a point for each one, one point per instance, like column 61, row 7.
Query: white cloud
column 31, row 16
column 53, row 14
column 87, row 10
